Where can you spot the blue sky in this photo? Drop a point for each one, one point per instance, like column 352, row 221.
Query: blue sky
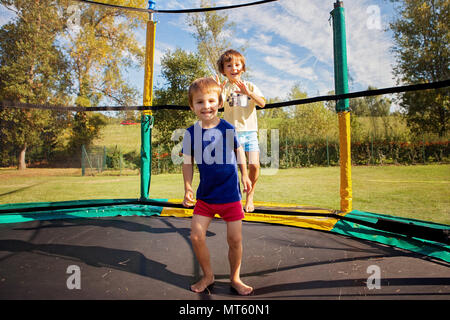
column 289, row 42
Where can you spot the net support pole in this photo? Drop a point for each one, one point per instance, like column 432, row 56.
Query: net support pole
column 342, row 106
column 83, row 160
column 147, row 117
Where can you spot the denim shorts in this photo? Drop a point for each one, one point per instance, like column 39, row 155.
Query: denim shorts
column 248, row 140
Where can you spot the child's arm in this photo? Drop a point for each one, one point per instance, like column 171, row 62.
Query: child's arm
column 188, row 175
column 260, row 101
column 221, row 85
column 242, row 163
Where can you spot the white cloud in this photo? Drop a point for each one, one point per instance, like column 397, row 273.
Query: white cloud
column 369, row 57
column 161, row 48
column 291, row 67
column 304, row 29
column 263, row 43
column 271, row 86
column 171, row 5
column 5, row 15
column 291, row 41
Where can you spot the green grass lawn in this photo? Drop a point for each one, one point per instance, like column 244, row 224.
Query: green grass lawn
column 126, row 137
column 420, row 192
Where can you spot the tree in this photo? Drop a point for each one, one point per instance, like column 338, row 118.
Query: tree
column 422, row 37
column 272, row 112
column 211, row 31
column 312, row 121
column 179, row 69
column 33, row 69
column 372, row 106
column 376, row 109
column 101, row 49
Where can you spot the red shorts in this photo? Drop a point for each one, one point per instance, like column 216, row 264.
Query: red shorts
column 231, row 211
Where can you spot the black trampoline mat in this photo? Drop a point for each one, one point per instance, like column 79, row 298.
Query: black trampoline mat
column 152, row 258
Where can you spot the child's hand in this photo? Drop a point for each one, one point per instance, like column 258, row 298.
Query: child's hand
column 188, row 199
column 222, row 85
column 242, row 87
column 247, row 184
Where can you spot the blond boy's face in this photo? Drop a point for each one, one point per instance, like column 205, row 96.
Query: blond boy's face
column 233, row 69
column 205, row 105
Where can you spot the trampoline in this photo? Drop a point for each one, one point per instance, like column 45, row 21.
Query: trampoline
column 132, row 251
column 140, row 248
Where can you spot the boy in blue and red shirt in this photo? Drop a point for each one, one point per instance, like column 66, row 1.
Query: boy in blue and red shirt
column 213, row 143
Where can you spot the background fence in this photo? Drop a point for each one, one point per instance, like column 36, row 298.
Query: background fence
column 302, row 142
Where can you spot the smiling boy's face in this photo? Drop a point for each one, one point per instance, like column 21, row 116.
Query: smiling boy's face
column 205, row 106
column 233, row 69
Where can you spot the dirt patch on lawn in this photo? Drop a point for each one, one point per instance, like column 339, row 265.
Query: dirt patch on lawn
column 38, row 172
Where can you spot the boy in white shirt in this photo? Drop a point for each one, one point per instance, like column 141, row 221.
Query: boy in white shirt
column 240, row 100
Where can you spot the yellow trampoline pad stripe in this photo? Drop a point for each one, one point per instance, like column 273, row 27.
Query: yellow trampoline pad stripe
column 318, row 223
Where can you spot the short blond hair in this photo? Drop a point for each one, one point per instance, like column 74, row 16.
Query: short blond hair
column 227, row 56
column 204, row 85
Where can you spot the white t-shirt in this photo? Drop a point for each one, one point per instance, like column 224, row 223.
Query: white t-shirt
column 240, row 109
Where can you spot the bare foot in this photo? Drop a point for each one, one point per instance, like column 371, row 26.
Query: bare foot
column 202, row 285
column 241, row 288
column 249, row 207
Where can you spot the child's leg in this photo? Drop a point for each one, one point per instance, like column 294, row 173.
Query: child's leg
column 253, row 174
column 234, row 238
column 199, row 226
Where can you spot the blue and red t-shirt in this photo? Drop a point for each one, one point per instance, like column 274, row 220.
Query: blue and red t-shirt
column 214, row 152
